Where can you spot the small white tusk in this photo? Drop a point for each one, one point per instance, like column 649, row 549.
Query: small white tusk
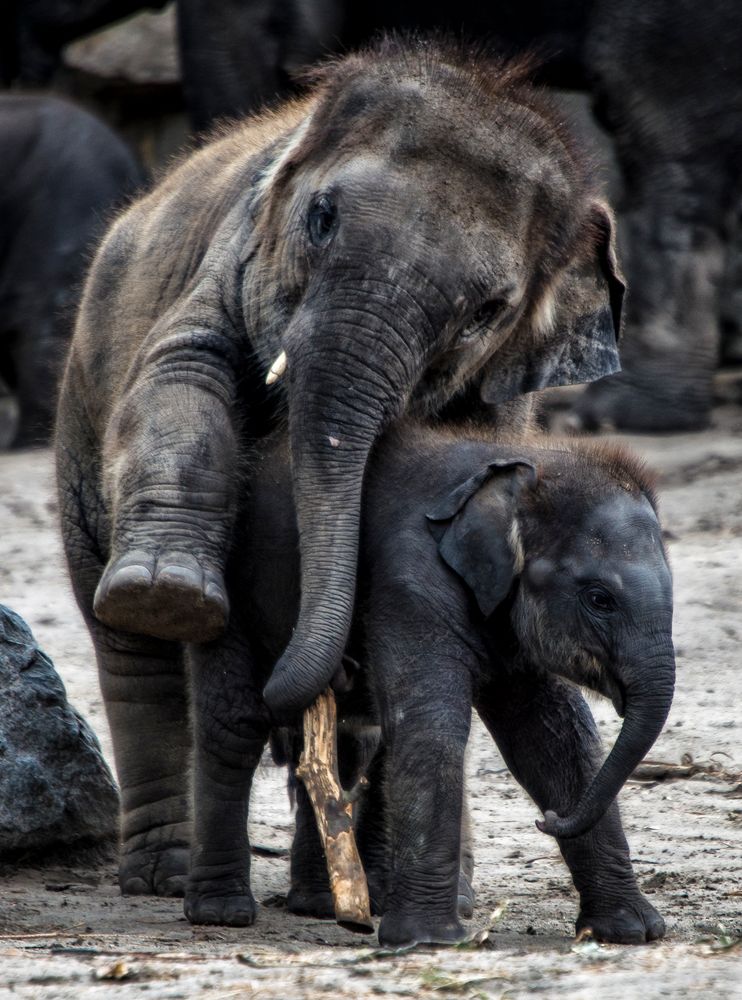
column 277, row 369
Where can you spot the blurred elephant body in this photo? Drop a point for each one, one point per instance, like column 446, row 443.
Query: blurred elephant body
column 61, row 174
column 417, row 227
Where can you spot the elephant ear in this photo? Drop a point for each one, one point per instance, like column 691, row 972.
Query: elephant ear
column 580, row 324
column 477, row 530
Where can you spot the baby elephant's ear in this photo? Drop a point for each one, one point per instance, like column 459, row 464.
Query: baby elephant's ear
column 580, row 323
column 477, row 531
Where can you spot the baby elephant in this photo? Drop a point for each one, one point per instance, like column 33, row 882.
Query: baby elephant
column 492, row 575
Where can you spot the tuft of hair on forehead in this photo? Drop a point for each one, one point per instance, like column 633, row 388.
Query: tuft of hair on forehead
column 619, row 463
column 463, row 67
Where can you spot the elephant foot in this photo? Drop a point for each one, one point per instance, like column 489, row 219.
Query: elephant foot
column 311, row 903
column 148, row 872
column 169, row 596
column 466, row 898
column 227, row 904
column 634, row 921
column 648, row 404
column 398, row 930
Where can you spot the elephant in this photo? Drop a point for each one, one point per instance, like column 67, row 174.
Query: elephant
column 492, row 575
column 62, row 172
column 664, row 79
column 419, row 226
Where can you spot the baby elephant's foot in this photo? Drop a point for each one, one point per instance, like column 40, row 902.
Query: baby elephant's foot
column 169, row 596
column 227, row 904
column 399, row 929
column 632, row 921
column 154, row 872
column 306, row 902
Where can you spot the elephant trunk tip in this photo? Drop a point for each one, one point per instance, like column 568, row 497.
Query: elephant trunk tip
column 556, row 826
column 298, row 679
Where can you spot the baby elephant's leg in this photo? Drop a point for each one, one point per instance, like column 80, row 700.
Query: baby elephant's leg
column 230, row 729
column 421, row 679
column 169, row 482
column 547, row 735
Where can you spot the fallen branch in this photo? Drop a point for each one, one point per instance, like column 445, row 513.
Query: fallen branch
column 333, row 809
column 660, row 770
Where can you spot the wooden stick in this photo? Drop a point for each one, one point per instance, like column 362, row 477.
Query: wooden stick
column 333, row 809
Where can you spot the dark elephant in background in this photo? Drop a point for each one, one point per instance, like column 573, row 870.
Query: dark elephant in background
column 417, row 226
column 62, row 172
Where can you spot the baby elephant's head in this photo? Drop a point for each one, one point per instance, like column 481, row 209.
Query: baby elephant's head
column 570, row 537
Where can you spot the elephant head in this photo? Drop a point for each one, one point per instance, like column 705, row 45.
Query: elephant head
column 426, row 226
column 575, row 546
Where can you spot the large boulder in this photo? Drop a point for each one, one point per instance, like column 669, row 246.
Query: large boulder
column 56, row 790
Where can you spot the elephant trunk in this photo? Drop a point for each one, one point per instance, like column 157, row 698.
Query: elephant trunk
column 647, row 707
column 339, row 403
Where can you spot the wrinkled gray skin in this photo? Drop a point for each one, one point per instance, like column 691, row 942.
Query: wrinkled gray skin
column 419, row 226
column 488, row 573
column 62, row 173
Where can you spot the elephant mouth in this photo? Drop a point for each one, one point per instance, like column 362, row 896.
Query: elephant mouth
column 616, row 691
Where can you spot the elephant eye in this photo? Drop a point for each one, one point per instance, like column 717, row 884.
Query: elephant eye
column 599, row 600
column 321, row 220
column 483, row 318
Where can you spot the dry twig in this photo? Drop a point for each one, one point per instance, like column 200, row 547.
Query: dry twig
column 333, row 809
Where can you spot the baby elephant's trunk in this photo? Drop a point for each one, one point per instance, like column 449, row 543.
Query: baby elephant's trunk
column 647, row 707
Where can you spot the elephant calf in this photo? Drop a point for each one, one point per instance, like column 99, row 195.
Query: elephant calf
column 492, row 575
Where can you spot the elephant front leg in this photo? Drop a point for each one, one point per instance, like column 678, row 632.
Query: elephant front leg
column 424, row 692
column 170, row 472
column 230, row 730
column 547, row 736
column 143, row 686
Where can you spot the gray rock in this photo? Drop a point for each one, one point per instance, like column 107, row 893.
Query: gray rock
column 56, row 790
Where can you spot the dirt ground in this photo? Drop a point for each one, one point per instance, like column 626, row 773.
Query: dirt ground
column 66, row 932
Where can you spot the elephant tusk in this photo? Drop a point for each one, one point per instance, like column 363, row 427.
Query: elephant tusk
column 277, row 369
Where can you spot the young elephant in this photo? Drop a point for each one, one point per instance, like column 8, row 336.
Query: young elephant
column 489, row 573
column 419, row 225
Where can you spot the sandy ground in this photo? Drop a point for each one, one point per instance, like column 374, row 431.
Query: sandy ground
column 66, row 932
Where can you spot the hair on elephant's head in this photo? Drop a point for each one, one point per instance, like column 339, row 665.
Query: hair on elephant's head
column 426, row 226
column 569, row 545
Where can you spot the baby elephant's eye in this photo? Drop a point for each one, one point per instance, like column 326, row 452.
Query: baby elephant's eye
column 322, row 220
column 599, row 600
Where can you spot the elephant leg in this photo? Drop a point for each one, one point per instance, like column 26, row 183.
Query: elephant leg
column 547, row 736
column 231, row 727
column 169, row 479
column 679, row 147
column 423, row 689
column 143, row 686
column 37, row 363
